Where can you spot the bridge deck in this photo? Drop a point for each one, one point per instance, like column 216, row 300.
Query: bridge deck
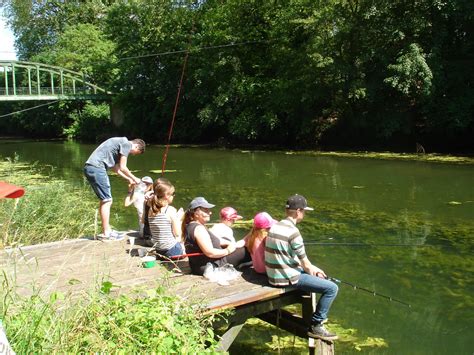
column 73, row 266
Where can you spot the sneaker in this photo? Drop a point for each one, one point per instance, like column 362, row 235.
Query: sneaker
column 113, row 236
column 320, row 332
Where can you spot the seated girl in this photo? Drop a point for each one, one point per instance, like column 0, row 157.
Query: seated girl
column 198, row 239
column 255, row 240
column 163, row 220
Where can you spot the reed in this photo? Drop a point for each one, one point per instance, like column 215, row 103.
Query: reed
column 50, row 210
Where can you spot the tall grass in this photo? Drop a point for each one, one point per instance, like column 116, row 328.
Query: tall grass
column 50, row 210
column 152, row 322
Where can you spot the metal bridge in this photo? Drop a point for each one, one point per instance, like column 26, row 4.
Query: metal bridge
column 22, row 81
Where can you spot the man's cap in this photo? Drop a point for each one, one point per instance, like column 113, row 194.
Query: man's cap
column 10, row 191
column 263, row 220
column 147, row 180
column 200, row 202
column 297, row 202
column 230, row 214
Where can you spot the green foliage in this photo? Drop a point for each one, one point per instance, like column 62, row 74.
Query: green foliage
column 82, row 47
column 304, row 73
column 88, row 122
column 98, row 322
column 411, row 75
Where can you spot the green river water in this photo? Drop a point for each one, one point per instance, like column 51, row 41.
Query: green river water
column 356, row 200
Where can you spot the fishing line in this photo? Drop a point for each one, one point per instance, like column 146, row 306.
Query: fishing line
column 197, row 49
column 355, row 287
column 29, row 108
column 367, row 244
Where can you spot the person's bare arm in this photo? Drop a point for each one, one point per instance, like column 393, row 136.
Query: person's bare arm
column 205, row 244
column 124, row 171
column 240, row 243
column 175, row 222
column 130, row 196
column 312, row 269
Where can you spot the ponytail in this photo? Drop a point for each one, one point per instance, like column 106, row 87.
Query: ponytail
column 188, row 217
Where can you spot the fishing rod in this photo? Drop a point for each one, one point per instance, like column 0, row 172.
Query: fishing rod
column 355, row 287
column 368, row 244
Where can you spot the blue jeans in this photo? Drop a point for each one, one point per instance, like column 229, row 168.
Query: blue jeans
column 326, row 288
column 177, row 249
column 99, row 181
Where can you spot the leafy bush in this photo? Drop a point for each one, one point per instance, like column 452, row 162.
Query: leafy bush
column 99, row 323
column 89, row 122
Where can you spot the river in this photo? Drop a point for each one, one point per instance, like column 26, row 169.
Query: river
column 356, row 200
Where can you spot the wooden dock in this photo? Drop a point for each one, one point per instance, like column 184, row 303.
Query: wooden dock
column 72, row 266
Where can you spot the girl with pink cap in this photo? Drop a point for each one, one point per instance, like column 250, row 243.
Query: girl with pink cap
column 223, row 229
column 255, row 240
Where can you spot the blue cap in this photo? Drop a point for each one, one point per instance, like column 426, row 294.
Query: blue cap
column 200, row 202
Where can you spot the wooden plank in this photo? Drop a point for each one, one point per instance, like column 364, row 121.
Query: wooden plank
column 285, row 320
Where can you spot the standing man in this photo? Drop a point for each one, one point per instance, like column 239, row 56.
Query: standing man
column 286, row 264
column 111, row 154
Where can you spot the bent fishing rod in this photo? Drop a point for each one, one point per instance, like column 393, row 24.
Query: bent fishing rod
column 355, row 287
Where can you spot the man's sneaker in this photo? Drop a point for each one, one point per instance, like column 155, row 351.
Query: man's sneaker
column 320, row 332
column 113, row 236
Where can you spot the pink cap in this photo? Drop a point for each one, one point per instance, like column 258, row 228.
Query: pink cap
column 230, row 214
column 263, row 220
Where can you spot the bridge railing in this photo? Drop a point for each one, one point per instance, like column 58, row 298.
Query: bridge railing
column 35, row 81
column 46, row 90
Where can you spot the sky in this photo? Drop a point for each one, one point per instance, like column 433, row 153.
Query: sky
column 7, row 50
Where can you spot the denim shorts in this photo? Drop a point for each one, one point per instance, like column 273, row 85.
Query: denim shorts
column 177, row 249
column 99, row 181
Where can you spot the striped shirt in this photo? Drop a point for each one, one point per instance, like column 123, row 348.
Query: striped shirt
column 284, row 248
column 161, row 231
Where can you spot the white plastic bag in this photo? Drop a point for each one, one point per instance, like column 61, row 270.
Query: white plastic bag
column 222, row 275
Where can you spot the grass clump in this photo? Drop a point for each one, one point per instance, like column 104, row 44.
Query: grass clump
column 50, row 210
column 97, row 322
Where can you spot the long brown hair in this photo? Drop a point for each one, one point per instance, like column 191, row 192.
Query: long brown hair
column 161, row 188
column 253, row 235
column 188, row 218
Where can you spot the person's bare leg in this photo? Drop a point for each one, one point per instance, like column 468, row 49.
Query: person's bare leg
column 104, row 211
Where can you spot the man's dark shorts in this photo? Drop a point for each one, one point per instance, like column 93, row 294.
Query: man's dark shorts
column 99, row 181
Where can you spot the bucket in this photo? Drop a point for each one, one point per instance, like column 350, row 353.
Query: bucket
column 148, row 261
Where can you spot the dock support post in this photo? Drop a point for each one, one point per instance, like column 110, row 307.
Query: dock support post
column 315, row 346
column 229, row 336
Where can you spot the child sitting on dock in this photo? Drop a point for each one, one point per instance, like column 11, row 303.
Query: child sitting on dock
column 287, row 264
column 223, row 229
column 198, row 239
column 255, row 240
column 136, row 196
column 163, row 220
